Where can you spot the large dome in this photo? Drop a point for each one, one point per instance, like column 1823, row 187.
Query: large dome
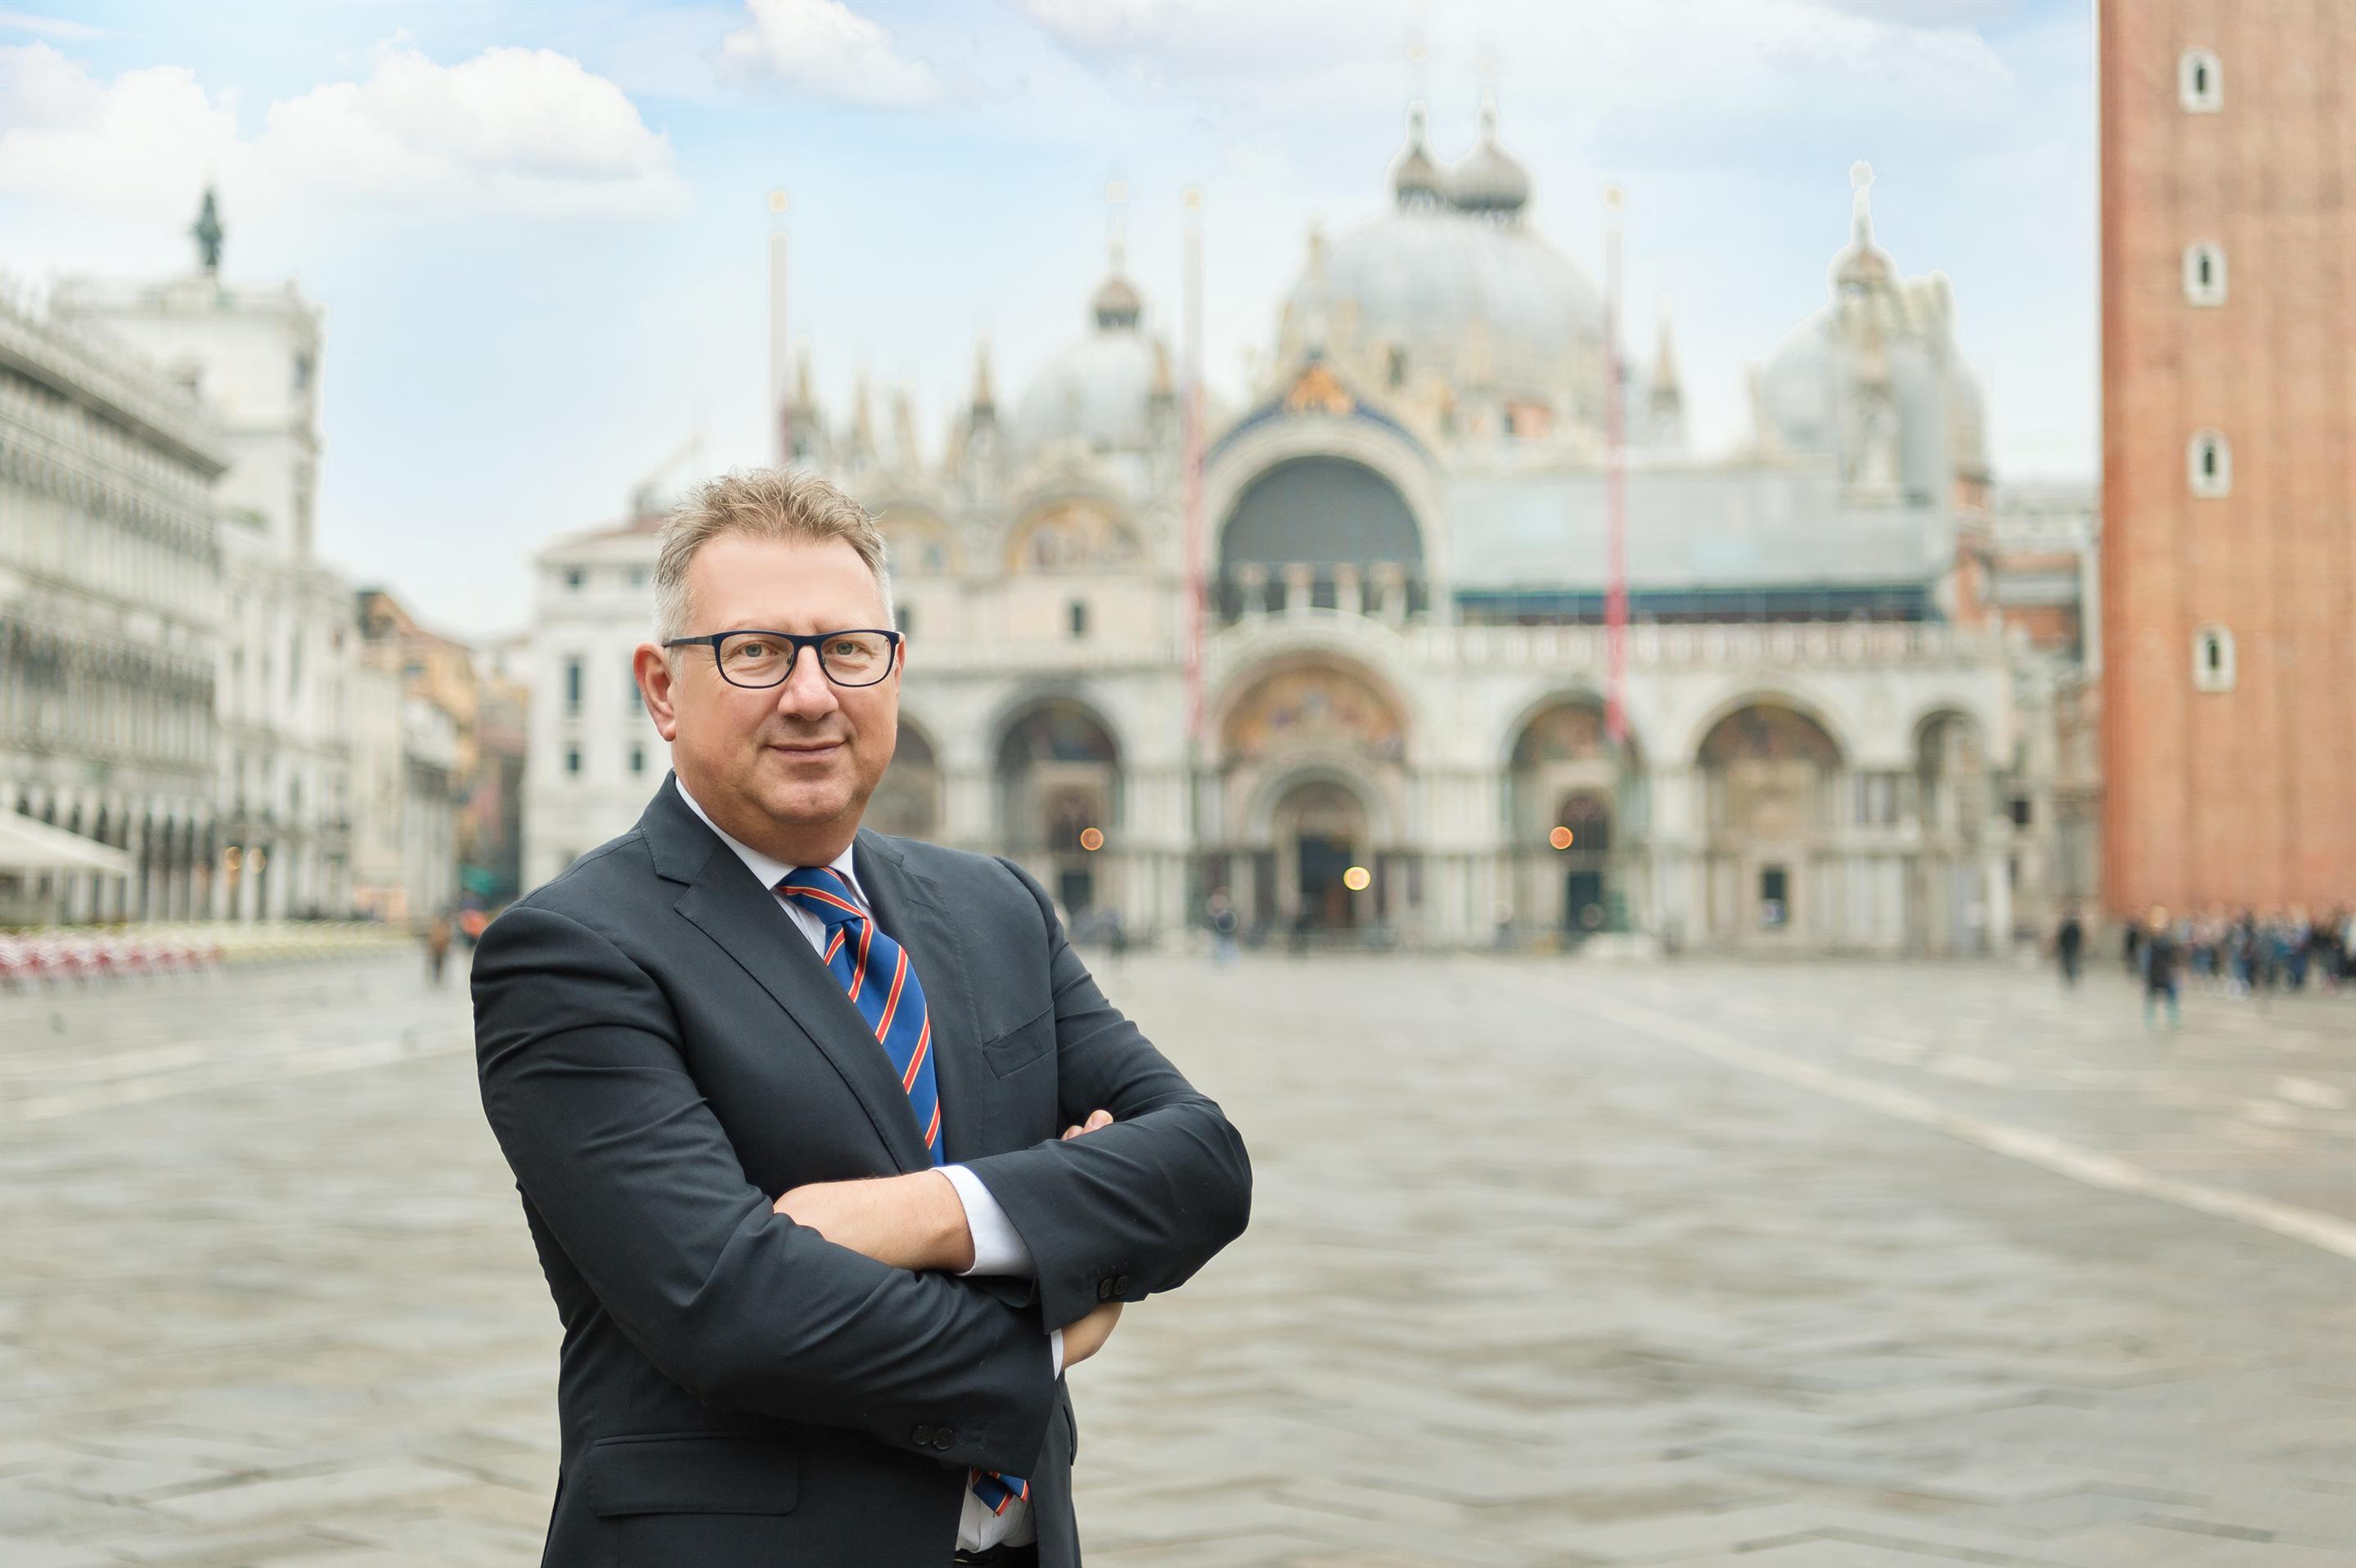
column 1446, row 287
column 1099, row 393
column 1452, row 283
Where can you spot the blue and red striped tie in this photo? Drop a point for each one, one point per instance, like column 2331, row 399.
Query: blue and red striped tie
column 876, row 971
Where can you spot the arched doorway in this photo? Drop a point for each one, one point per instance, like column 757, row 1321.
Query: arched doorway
column 1059, row 799
column 1320, row 835
column 1312, row 767
column 1575, row 819
column 907, row 802
column 1767, row 777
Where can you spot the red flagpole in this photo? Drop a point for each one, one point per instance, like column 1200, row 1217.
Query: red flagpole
column 1615, row 483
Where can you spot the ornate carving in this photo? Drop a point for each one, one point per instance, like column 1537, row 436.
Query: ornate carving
column 1072, row 535
column 1319, row 391
column 1316, row 707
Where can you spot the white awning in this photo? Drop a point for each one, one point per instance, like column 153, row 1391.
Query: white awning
column 27, row 847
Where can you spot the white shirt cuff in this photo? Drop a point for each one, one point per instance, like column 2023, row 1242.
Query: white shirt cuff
column 1055, row 1343
column 998, row 1249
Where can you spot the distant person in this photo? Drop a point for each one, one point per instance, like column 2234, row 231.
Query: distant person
column 1304, row 920
column 2070, row 946
column 437, row 948
column 1225, row 923
column 2131, row 946
column 2163, row 959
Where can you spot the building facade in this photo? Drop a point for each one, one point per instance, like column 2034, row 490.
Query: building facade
column 1403, row 731
column 2229, row 558
column 111, row 615
column 289, row 637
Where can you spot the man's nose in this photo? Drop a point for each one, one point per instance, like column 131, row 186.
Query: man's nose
column 805, row 693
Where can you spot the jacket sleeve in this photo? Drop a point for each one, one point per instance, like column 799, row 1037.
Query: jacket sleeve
column 1130, row 1208
column 614, row 1145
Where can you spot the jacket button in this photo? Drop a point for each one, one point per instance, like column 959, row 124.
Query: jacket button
column 1120, row 1285
column 924, row 1436
column 943, row 1438
column 1104, row 1288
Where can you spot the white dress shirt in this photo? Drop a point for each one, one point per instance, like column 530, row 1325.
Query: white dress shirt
column 997, row 1247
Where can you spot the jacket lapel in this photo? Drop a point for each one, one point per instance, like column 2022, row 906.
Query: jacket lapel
column 907, row 907
column 728, row 905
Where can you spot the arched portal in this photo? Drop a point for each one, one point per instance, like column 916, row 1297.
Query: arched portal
column 1576, row 819
column 1320, row 835
column 1059, row 774
column 907, row 802
column 1769, row 773
column 1312, row 758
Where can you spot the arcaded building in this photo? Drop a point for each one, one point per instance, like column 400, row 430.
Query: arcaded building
column 2229, row 567
column 1405, row 666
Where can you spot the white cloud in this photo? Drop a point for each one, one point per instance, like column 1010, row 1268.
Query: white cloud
column 150, row 135
column 511, row 131
column 826, row 50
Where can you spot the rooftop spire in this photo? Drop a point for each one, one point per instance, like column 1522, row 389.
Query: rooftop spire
column 985, row 397
column 1860, row 180
column 1416, row 180
column 1116, row 302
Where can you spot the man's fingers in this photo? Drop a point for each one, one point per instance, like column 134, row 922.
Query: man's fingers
column 1098, row 1118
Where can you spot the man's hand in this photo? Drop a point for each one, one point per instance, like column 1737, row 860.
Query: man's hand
column 913, row 1221
column 1086, row 1338
column 1096, row 1119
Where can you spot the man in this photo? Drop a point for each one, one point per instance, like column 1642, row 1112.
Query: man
column 782, row 1097
column 2069, row 943
column 2161, row 958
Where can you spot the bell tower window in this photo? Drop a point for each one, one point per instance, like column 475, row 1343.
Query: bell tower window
column 2209, row 463
column 2199, row 82
column 2204, row 272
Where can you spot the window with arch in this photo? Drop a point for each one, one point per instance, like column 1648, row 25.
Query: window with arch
column 2212, row 659
column 2204, row 272
column 2209, row 463
column 2199, row 82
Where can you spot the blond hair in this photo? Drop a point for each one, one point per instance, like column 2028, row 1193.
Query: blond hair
column 760, row 503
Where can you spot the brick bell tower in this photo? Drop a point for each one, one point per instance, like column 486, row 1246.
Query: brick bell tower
column 2228, row 139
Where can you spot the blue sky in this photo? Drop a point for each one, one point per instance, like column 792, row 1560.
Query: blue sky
column 540, row 229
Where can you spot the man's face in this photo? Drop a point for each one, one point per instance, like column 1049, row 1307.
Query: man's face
column 792, row 760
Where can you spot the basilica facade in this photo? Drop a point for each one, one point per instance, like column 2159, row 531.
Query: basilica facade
column 1402, row 732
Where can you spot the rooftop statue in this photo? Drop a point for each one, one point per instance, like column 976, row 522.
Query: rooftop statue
column 207, row 232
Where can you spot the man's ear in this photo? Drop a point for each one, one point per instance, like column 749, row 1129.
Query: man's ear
column 651, row 667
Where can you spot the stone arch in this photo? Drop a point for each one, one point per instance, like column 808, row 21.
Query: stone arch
column 907, row 801
column 1056, row 763
column 1073, row 530
column 1783, row 696
column 1312, row 699
column 919, row 541
column 1574, row 810
column 1770, row 772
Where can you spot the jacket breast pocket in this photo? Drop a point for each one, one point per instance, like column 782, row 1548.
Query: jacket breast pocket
column 666, row 1499
column 1010, row 1050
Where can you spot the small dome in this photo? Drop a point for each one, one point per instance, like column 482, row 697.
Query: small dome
column 1485, row 180
column 1416, row 178
column 1099, row 392
column 1117, row 303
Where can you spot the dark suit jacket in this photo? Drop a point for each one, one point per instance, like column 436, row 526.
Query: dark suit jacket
column 661, row 1054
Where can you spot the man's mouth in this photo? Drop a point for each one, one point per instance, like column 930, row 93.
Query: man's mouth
column 807, row 748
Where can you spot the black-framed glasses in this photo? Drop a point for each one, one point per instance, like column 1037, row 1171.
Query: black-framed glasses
column 861, row 656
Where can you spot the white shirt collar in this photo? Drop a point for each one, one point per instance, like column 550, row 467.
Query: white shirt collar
column 769, row 872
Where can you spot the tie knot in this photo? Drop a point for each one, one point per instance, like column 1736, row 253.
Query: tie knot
column 822, row 890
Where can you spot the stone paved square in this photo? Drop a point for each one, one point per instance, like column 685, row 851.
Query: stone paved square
column 1551, row 1264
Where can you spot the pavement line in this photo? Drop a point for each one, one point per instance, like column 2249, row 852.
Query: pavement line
column 245, row 1072
column 2107, row 1171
